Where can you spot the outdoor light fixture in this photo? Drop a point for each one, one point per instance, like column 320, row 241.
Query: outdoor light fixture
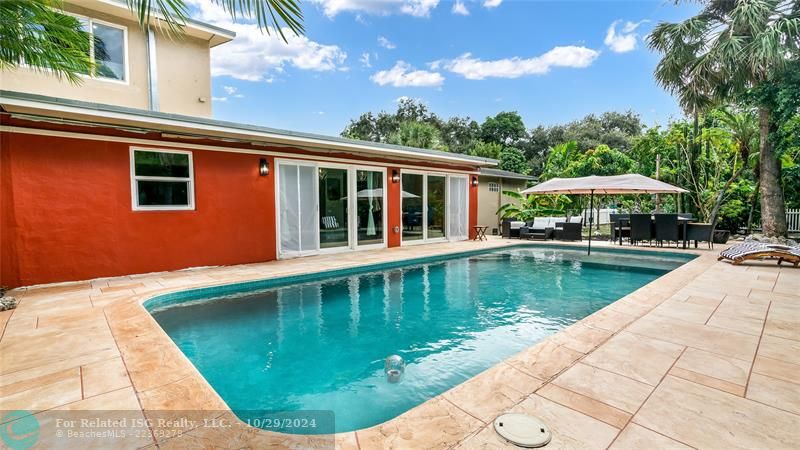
column 263, row 167
column 395, row 176
column 474, row 180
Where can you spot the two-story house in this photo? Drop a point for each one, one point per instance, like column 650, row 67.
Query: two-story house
column 128, row 173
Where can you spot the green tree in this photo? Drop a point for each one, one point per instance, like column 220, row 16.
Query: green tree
column 600, row 161
column 459, row 134
column 486, row 150
column 513, row 160
column 505, row 128
column 35, row 33
column 417, row 134
column 729, row 48
column 558, row 160
column 529, row 207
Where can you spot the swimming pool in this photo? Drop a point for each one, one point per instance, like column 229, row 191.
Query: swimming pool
column 318, row 342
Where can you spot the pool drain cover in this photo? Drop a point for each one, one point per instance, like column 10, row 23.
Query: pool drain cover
column 522, row 430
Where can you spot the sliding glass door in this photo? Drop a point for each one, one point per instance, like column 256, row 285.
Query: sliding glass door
column 297, row 197
column 329, row 207
column 333, row 229
column 434, row 206
column 412, row 192
column 369, row 207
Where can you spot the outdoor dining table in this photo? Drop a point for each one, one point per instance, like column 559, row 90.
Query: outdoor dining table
column 682, row 222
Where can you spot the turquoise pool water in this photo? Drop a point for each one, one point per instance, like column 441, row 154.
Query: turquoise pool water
column 319, row 343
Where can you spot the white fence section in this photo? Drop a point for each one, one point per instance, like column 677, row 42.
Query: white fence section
column 793, row 219
column 600, row 217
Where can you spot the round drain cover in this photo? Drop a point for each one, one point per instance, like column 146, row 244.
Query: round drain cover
column 522, row 430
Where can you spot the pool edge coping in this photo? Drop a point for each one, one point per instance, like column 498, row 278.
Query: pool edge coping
column 135, row 305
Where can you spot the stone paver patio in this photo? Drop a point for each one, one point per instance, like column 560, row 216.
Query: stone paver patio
column 707, row 356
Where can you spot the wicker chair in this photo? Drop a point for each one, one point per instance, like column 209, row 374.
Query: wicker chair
column 666, row 228
column 641, row 228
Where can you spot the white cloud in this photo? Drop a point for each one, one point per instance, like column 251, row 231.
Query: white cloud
column 385, row 43
column 403, row 75
column 459, row 8
column 364, row 59
column 416, row 8
column 626, row 39
column 230, row 90
column 473, row 68
column 255, row 56
column 492, row 3
column 219, row 99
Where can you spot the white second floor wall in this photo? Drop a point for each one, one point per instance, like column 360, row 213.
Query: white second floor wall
column 182, row 78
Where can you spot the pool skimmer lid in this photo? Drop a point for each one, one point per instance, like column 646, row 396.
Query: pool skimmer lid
column 522, row 430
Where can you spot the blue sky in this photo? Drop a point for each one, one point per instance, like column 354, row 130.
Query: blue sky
column 553, row 61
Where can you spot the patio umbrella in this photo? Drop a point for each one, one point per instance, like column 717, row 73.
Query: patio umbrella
column 631, row 183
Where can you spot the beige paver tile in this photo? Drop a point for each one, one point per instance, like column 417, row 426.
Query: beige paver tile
column 4, row 316
column 153, row 367
column 689, row 312
column 774, row 392
column 786, row 350
column 587, row 405
column 610, row 388
column 104, row 376
column 638, row 357
column 46, row 392
column 570, row 429
column 704, row 337
column 43, row 347
column 581, row 337
column 777, row 369
column 636, row 437
column 544, row 360
column 493, row 391
column 434, row 424
column 726, row 373
column 741, row 324
column 609, row 319
column 708, row 418
column 57, row 366
column 783, row 321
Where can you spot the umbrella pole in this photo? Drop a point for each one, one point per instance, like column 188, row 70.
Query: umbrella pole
column 591, row 218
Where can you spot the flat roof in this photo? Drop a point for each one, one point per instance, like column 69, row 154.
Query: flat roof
column 485, row 171
column 44, row 107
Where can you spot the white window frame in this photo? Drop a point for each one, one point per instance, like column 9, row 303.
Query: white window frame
column 126, row 60
column 493, row 186
column 135, row 186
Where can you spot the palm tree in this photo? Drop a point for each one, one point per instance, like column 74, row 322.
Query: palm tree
column 729, row 48
column 36, row 34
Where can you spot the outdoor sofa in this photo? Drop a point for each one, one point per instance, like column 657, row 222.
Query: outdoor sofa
column 551, row 227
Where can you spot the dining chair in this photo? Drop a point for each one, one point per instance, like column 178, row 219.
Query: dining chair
column 666, row 228
column 641, row 228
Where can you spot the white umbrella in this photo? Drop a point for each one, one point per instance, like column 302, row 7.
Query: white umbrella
column 631, row 183
column 378, row 192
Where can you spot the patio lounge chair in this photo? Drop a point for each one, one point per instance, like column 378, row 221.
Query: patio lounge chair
column 569, row 231
column 737, row 254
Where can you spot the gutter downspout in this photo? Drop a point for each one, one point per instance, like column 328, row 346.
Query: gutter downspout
column 152, row 71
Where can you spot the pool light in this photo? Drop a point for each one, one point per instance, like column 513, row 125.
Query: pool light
column 394, row 367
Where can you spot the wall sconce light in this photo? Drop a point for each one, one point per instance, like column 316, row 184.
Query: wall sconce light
column 474, row 181
column 263, row 167
column 395, row 176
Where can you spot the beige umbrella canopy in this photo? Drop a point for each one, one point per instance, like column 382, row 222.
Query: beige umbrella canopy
column 631, row 183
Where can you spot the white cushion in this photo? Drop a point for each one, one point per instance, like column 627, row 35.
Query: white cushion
column 575, row 219
column 540, row 223
column 517, row 225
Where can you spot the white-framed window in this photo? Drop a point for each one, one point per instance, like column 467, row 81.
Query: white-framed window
column 161, row 179
column 493, row 187
column 108, row 48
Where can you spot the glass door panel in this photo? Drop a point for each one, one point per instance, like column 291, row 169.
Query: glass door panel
column 457, row 208
column 297, row 203
column 369, row 207
column 411, row 198
column 333, row 229
column 436, row 206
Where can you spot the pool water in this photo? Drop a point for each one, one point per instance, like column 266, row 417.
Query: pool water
column 321, row 345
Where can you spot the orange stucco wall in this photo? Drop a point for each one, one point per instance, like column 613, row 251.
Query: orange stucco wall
column 473, row 206
column 65, row 212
